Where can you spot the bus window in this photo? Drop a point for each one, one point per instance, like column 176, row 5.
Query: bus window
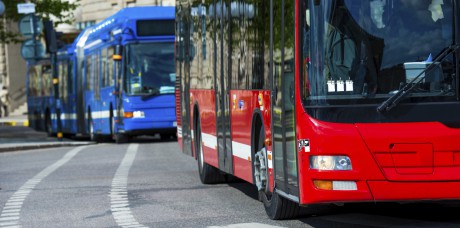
column 150, row 68
column 110, row 65
column 371, row 48
column 97, row 76
column 63, row 80
column 88, row 73
column 105, row 81
column 47, row 81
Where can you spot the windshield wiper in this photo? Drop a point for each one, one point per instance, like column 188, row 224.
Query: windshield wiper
column 150, row 95
column 394, row 100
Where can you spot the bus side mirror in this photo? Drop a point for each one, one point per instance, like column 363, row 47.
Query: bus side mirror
column 117, row 56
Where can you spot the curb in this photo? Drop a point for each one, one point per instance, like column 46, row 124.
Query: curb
column 15, row 123
column 6, row 148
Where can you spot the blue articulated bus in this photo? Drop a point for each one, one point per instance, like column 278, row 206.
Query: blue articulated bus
column 117, row 79
column 40, row 98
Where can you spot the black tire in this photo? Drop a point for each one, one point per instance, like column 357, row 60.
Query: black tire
column 276, row 206
column 111, row 135
column 208, row 174
column 48, row 127
column 92, row 135
column 167, row 136
column 120, row 138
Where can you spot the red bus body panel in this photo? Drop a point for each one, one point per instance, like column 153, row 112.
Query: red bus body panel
column 390, row 161
column 406, row 161
column 205, row 101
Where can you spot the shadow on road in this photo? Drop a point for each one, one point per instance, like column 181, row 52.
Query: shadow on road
column 139, row 139
column 246, row 188
column 430, row 214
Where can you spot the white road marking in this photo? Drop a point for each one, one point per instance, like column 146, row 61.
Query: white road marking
column 119, row 203
column 10, row 213
column 246, row 225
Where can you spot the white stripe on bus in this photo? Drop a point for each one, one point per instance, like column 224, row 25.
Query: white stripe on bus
column 179, row 132
column 209, row 141
column 241, row 150
column 94, row 115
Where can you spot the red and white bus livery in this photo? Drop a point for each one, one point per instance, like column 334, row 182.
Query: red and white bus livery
column 322, row 101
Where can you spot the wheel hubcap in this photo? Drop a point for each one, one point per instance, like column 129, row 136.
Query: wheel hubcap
column 201, row 156
column 260, row 170
column 91, row 130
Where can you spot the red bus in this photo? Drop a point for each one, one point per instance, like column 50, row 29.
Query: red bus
column 322, row 101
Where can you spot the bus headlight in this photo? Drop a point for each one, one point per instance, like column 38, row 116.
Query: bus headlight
column 330, row 162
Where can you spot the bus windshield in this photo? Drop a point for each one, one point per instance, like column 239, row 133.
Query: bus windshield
column 362, row 52
column 149, row 69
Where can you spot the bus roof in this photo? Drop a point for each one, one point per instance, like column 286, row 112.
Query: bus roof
column 120, row 20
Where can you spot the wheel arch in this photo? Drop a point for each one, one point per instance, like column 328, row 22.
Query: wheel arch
column 196, row 117
column 257, row 122
column 47, row 118
column 88, row 118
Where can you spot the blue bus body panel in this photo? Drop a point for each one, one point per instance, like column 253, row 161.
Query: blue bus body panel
column 82, row 106
column 120, row 29
column 159, row 113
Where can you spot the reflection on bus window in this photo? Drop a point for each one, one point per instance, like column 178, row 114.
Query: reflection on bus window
column 150, row 68
column 372, row 48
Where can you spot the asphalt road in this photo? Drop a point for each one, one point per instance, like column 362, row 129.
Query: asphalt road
column 150, row 183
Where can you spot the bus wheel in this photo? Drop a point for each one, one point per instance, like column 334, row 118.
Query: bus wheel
column 48, row 127
column 166, row 136
column 260, row 171
column 275, row 205
column 208, row 174
column 92, row 135
column 120, row 138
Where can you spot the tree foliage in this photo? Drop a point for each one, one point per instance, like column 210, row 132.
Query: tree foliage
column 60, row 11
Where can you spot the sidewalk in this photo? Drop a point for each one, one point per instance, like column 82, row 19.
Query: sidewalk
column 14, row 120
column 15, row 135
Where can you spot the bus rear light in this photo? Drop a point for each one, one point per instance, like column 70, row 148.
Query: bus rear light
column 335, row 185
column 330, row 163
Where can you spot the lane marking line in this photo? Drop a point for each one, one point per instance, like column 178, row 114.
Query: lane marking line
column 119, row 204
column 17, row 199
column 247, row 225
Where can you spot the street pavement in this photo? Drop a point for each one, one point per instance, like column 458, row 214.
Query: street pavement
column 16, row 135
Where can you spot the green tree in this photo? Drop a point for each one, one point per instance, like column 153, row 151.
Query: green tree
column 60, row 10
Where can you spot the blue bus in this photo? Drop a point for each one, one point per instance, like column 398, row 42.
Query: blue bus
column 117, row 79
column 40, row 98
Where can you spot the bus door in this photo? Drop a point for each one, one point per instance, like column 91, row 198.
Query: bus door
column 183, row 56
column 115, row 74
column 80, row 93
column 282, row 90
column 97, row 106
column 223, row 67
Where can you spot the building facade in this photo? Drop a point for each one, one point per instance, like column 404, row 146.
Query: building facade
column 12, row 72
column 12, row 65
column 93, row 11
